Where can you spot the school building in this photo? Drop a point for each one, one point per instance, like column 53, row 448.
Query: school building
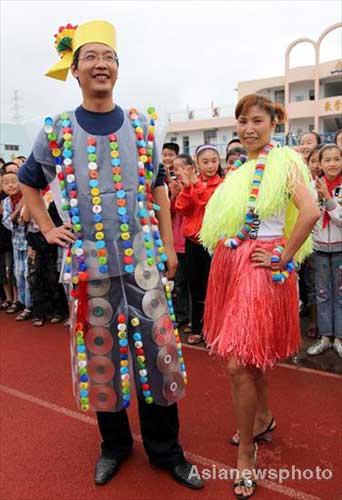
column 311, row 94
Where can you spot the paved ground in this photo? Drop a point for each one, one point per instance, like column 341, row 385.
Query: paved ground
column 328, row 361
column 49, row 448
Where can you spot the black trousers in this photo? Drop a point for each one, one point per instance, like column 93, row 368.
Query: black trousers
column 48, row 295
column 198, row 263
column 182, row 290
column 159, row 429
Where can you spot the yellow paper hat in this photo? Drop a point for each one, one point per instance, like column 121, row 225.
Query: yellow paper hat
column 70, row 38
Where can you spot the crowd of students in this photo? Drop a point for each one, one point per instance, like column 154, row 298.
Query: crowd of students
column 29, row 266
column 191, row 184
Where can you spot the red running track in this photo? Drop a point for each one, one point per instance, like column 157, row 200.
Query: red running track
column 49, row 448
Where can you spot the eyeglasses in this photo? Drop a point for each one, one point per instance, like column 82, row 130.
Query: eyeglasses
column 108, row 58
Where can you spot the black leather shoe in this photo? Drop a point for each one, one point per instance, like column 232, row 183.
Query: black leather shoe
column 187, row 475
column 105, row 469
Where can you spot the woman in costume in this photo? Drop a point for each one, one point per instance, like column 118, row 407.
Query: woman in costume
column 257, row 222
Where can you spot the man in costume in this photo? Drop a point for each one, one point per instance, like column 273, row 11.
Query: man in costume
column 117, row 237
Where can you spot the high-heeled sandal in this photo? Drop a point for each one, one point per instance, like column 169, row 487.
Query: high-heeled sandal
column 247, row 482
column 265, row 436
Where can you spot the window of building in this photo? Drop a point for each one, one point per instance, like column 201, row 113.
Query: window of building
column 299, row 98
column 280, row 128
column 333, row 89
column 311, row 127
column 186, row 145
column 11, row 147
column 279, row 96
column 210, row 137
column 311, row 94
column 173, row 139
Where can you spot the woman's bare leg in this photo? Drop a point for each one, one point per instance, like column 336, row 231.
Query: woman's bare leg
column 263, row 413
column 8, row 291
column 245, row 398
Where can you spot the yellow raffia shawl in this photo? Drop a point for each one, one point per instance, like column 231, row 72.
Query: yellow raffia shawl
column 226, row 210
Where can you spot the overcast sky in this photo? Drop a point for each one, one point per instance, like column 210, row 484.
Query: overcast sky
column 172, row 53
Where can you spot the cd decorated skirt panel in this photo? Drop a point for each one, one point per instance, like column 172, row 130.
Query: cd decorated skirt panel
column 128, row 339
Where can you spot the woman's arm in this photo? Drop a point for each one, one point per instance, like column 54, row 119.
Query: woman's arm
column 308, row 215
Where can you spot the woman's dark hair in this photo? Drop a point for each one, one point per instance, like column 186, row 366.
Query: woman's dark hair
column 235, row 151
column 337, row 134
column 275, row 110
column 186, row 159
column 309, row 132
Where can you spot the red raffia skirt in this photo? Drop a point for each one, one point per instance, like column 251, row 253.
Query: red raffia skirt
column 247, row 315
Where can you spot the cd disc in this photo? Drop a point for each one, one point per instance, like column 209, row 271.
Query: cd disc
column 154, row 304
column 173, row 387
column 100, row 311
column 147, row 277
column 167, row 359
column 100, row 369
column 98, row 288
column 102, row 398
column 162, row 332
column 99, row 340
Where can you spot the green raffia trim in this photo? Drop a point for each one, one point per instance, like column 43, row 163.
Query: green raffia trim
column 226, row 210
column 64, row 44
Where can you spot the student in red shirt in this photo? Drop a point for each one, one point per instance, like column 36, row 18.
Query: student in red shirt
column 191, row 203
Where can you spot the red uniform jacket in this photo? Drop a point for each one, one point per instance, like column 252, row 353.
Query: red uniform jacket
column 191, row 203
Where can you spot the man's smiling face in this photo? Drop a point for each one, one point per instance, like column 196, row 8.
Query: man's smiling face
column 97, row 69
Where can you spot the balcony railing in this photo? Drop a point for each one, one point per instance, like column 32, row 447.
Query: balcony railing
column 202, row 113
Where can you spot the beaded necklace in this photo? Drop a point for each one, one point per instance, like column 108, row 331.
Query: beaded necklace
column 278, row 275
column 244, row 232
column 146, row 171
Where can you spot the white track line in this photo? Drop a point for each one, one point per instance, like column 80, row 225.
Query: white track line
column 270, row 485
column 281, row 365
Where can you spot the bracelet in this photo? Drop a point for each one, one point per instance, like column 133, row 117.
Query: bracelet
column 280, row 276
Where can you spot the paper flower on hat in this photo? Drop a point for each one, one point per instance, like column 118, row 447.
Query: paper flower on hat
column 64, row 47
column 64, row 39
